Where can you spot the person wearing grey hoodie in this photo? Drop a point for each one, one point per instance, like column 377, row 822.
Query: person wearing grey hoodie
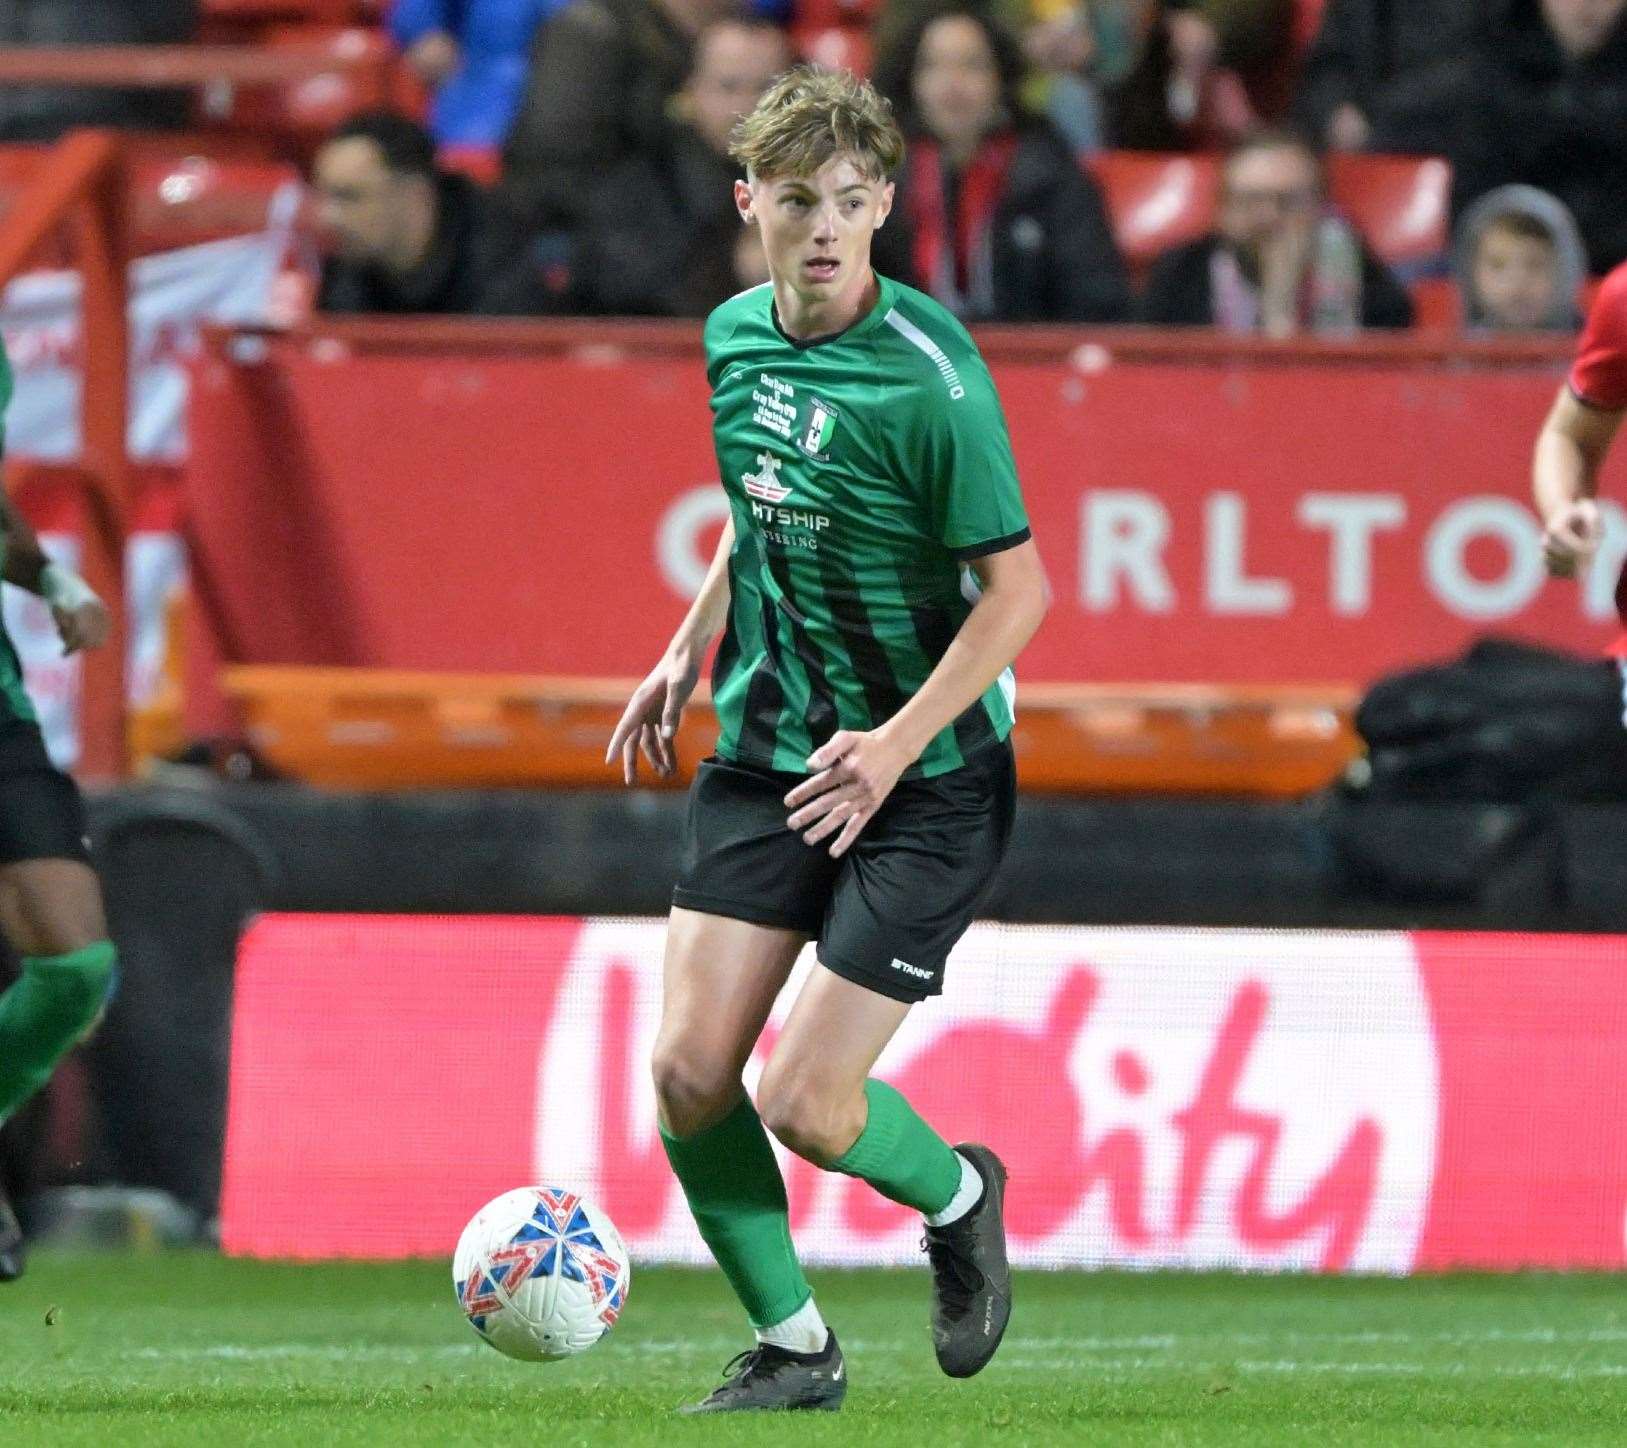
column 1519, row 263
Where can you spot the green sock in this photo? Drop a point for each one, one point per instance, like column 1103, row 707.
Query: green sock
column 737, row 1195
column 51, row 1006
column 900, row 1155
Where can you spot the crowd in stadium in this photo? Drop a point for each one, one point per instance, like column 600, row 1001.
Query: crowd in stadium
column 572, row 155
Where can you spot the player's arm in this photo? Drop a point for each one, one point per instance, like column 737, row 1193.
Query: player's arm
column 81, row 617
column 1570, row 451
column 650, row 720
column 855, row 772
column 1015, row 598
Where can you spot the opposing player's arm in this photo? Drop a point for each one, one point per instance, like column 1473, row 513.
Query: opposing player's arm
column 650, row 720
column 1570, row 450
column 81, row 617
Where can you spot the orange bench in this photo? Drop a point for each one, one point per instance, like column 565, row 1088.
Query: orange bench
column 392, row 729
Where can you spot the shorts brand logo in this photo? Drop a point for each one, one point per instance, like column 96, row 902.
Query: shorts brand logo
column 909, row 969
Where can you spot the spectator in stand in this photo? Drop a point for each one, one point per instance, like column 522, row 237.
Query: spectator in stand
column 1519, row 263
column 473, row 56
column 406, row 237
column 1366, row 62
column 43, row 113
column 1138, row 74
column 663, row 236
column 1542, row 99
column 1279, row 262
column 992, row 215
column 602, row 75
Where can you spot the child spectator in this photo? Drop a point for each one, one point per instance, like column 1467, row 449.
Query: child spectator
column 1519, row 263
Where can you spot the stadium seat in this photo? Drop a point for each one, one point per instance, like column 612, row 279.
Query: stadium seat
column 312, row 12
column 183, row 200
column 362, row 75
column 1401, row 204
column 1155, row 201
column 838, row 47
column 1436, row 304
column 809, row 15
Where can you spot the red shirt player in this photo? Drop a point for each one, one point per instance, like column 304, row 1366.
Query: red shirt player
column 1573, row 443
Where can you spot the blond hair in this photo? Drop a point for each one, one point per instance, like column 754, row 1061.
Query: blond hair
column 811, row 114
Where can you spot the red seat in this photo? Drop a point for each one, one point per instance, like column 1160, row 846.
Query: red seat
column 822, row 14
column 361, row 77
column 182, row 200
column 836, row 47
column 1156, row 201
column 259, row 12
column 1437, row 305
column 1401, row 204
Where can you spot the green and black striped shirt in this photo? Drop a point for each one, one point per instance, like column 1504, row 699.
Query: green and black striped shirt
column 864, row 472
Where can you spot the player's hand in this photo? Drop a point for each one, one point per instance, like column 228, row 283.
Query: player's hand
column 1571, row 537
column 854, row 774
column 84, row 626
column 650, row 720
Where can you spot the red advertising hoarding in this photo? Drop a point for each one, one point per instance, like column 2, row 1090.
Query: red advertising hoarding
column 1316, row 521
column 1263, row 1100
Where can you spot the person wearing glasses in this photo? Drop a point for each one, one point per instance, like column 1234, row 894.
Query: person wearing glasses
column 1280, row 262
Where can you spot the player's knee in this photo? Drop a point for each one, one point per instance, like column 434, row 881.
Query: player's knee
column 693, row 1093
column 806, row 1116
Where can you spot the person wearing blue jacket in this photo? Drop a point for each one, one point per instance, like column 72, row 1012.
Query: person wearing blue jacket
column 474, row 55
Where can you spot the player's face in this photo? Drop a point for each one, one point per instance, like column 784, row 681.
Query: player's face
column 1582, row 26
column 956, row 84
column 358, row 199
column 1516, row 279
column 816, row 229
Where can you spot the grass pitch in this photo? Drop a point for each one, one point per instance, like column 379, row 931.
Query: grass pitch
column 187, row 1348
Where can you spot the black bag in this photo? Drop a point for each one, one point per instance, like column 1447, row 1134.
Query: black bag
column 1507, row 723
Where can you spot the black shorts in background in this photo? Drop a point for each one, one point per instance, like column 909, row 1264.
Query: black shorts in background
column 885, row 914
column 42, row 816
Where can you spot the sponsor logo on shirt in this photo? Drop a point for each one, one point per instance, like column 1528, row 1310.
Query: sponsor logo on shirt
column 765, row 482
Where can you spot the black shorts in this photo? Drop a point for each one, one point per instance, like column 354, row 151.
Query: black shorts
column 42, row 816
column 885, row 914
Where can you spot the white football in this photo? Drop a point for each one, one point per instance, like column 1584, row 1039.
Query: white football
column 541, row 1273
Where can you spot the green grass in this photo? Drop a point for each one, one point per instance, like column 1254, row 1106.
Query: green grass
column 187, row 1348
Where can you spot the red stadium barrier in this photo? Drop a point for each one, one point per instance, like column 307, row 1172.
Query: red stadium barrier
column 1318, row 1101
column 1210, row 512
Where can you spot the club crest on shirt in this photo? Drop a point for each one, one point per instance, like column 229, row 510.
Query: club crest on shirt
column 765, row 482
column 817, row 429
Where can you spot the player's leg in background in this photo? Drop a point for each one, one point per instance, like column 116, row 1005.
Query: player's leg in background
column 721, row 978
column 51, row 912
column 818, row 1097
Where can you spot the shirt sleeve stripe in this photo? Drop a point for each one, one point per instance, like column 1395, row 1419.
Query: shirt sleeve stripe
column 993, row 545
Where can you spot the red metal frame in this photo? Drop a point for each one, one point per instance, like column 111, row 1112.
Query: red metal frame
column 81, row 183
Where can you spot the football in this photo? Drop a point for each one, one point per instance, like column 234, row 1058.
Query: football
column 541, row 1273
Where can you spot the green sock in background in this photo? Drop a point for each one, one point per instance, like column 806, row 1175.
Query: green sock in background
column 53, row 1003
column 900, row 1155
